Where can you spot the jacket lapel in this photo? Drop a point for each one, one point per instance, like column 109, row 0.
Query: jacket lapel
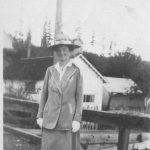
column 55, row 76
column 67, row 75
column 65, row 78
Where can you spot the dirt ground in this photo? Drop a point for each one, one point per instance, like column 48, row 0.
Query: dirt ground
column 12, row 142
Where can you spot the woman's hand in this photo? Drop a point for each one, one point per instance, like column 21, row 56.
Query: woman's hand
column 75, row 126
column 40, row 122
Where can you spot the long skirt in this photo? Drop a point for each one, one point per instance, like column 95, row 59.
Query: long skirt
column 60, row 140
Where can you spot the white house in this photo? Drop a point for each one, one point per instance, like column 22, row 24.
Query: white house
column 92, row 83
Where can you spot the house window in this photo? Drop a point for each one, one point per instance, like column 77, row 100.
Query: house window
column 88, row 98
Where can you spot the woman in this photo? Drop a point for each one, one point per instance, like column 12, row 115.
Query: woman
column 60, row 108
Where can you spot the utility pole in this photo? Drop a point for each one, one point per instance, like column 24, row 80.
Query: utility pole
column 58, row 25
column 58, row 21
column 29, row 44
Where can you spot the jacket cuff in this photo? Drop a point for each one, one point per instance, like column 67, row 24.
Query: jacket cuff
column 77, row 118
column 39, row 115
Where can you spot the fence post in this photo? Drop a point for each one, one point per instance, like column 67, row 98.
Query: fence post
column 123, row 138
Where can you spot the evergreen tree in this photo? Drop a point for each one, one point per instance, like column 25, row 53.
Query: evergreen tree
column 93, row 39
column 47, row 36
column 110, row 48
column 78, row 33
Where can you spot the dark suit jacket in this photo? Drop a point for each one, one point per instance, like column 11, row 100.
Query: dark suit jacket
column 61, row 102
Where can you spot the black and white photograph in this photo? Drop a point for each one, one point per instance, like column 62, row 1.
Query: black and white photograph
column 75, row 75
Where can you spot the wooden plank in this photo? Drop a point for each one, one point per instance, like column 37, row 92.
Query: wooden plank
column 20, row 100
column 16, row 102
column 136, row 121
column 21, row 111
column 29, row 136
column 18, row 108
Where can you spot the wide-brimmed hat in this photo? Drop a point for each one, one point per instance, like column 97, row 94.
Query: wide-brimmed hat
column 63, row 39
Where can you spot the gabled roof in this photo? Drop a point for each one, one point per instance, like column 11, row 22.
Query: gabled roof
column 90, row 66
column 119, row 85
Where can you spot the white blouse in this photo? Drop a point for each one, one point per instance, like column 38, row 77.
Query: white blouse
column 62, row 71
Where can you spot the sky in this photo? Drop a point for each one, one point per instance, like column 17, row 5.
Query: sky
column 119, row 23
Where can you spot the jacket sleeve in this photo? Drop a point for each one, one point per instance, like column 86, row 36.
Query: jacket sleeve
column 79, row 98
column 44, row 95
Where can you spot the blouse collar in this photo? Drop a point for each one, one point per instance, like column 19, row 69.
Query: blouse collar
column 57, row 66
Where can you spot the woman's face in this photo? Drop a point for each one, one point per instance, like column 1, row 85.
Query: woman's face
column 63, row 53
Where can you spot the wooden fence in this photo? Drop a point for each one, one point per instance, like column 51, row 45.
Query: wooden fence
column 20, row 112
column 123, row 121
column 23, row 113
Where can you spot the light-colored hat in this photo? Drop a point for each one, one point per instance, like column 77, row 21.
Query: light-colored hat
column 62, row 39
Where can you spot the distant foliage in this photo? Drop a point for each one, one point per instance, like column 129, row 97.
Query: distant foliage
column 99, row 62
column 27, row 70
column 123, row 64
column 22, row 45
column 142, row 77
column 15, row 68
